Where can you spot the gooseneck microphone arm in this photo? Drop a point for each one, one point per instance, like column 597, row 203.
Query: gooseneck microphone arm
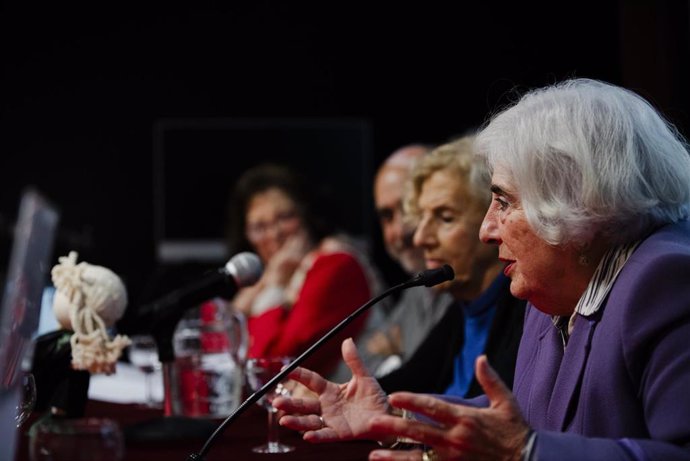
column 427, row 278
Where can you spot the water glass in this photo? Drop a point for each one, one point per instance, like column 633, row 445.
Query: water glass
column 259, row 372
column 143, row 354
column 28, row 399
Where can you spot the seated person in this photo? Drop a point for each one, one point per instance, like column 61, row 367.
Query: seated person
column 447, row 198
column 395, row 329
column 312, row 279
column 591, row 199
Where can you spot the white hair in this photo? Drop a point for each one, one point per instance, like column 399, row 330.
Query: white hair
column 590, row 159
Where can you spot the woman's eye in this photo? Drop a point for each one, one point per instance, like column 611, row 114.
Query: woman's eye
column 502, row 204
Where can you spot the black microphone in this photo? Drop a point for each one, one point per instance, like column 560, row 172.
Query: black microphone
column 244, row 269
column 427, row 278
column 431, row 277
column 161, row 317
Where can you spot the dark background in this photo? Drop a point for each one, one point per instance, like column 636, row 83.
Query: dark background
column 84, row 85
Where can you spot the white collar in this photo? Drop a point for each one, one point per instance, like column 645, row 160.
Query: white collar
column 604, row 276
column 600, row 284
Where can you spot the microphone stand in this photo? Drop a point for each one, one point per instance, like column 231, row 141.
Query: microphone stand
column 161, row 317
column 423, row 278
column 169, row 425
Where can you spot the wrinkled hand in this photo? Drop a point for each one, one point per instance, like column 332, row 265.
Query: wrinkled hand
column 299, row 390
column 347, row 409
column 497, row 432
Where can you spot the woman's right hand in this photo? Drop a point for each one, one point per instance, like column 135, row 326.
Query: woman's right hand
column 339, row 411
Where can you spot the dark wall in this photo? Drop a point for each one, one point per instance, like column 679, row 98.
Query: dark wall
column 84, row 84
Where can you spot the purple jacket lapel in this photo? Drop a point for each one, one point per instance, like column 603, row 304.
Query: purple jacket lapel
column 565, row 390
column 538, row 362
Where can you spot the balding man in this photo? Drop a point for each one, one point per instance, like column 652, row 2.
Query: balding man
column 390, row 341
column 389, row 186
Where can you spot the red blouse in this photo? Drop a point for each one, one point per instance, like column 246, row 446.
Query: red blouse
column 334, row 287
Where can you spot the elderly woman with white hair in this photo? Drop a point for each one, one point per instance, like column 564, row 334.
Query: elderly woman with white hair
column 591, row 197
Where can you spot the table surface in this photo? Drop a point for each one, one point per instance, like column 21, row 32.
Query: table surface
column 151, row 437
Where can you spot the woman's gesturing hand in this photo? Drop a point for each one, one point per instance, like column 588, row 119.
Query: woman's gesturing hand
column 497, row 432
column 339, row 411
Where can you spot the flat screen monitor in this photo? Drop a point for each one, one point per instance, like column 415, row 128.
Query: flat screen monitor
column 197, row 161
column 25, row 280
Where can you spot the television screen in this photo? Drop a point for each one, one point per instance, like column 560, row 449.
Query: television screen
column 197, row 161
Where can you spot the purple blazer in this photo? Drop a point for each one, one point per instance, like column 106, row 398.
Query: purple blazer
column 621, row 389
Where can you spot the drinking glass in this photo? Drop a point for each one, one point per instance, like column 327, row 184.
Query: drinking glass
column 143, row 354
column 259, row 372
column 28, row 399
column 78, row 439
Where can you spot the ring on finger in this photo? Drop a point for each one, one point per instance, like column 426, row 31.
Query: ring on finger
column 323, row 423
column 429, row 455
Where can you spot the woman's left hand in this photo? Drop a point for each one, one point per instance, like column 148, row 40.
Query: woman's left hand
column 286, row 260
column 497, row 432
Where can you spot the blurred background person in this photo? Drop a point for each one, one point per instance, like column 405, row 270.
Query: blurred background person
column 313, row 278
column 395, row 332
column 446, row 198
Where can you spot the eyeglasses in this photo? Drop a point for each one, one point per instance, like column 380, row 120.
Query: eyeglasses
column 285, row 220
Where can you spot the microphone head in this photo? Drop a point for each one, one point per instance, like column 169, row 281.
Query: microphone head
column 245, row 268
column 432, row 277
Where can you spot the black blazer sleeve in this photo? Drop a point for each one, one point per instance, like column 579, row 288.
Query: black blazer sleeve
column 504, row 340
column 430, row 368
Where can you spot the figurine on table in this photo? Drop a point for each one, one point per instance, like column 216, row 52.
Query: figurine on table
column 88, row 300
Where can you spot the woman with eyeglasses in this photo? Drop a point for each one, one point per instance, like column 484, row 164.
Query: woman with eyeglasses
column 313, row 277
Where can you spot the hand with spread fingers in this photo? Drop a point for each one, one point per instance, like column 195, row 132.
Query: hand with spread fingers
column 341, row 411
column 497, row 432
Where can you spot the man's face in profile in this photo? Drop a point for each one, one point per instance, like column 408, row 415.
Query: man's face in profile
column 397, row 235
